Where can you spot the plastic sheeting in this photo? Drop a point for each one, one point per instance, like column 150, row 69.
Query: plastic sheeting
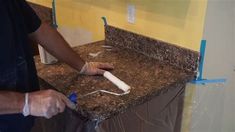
column 161, row 114
column 207, row 108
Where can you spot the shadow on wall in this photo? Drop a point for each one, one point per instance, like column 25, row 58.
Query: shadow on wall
column 174, row 11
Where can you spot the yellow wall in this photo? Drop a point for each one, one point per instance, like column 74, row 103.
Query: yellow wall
column 46, row 3
column 175, row 21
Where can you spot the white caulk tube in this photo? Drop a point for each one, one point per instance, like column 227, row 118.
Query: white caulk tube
column 120, row 84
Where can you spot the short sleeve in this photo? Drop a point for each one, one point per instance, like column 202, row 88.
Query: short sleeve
column 32, row 21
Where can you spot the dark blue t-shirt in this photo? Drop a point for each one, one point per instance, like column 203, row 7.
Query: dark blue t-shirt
column 17, row 68
column 17, row 21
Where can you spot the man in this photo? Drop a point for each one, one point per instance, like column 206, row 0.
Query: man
column 20, row 98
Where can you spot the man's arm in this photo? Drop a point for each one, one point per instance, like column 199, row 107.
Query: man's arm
column 54, row 43
column 44, row 103
column 11, row 102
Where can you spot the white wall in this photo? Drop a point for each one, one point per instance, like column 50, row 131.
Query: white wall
column 215, row 111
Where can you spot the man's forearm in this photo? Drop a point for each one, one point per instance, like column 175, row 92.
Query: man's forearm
column 53, row 42
column 11, row 102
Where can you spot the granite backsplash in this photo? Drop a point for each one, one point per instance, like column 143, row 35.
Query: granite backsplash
column 180, row 57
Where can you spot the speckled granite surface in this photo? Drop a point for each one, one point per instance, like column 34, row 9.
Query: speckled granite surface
column 147, row 77
column 170, row 54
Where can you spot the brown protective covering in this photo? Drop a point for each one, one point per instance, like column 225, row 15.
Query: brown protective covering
column 161, row 114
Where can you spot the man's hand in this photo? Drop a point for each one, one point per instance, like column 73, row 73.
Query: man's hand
column 95, row 68
column 55, row 44
column 47, row 103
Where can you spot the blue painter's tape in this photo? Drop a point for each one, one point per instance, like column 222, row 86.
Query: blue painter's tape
column 199, row 79
column 202, row 56
column 73, row 97
column 206, row 81
column 105, row 21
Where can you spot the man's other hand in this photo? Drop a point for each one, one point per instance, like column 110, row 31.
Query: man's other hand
column 47, row 103
column 95, row 68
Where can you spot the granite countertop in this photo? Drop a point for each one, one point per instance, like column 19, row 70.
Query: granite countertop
column 146, row 76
